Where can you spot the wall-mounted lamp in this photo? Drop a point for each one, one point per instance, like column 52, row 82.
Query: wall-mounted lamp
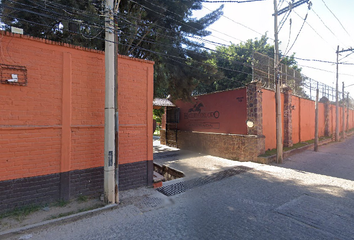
column 249, row 124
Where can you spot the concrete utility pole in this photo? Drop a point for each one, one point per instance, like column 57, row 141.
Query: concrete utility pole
column 116, row 9
column 343, row 112
column 109, row 128
column 337, row 103
column 347, row 111
column 316, row 121
column 279, row 126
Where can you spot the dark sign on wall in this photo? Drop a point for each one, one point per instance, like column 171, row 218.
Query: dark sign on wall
column 222, row 112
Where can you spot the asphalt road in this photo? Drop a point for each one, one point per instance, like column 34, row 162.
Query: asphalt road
column 310, row 196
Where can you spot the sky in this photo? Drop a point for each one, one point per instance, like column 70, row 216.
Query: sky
column 317, row 39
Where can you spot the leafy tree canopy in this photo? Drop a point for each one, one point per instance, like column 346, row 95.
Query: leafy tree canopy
column 165, row 32
column 77, row 22
column 158, row 30
column 235, row 63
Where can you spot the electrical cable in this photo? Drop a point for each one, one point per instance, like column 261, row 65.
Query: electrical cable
column 315, row 31
column 238, row 24
column 322, row 61
column 336, row 18
column 298, row 34
column 157, row 52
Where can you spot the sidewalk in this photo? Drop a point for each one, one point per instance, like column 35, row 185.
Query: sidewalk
column 335, row 160
column 263, row 202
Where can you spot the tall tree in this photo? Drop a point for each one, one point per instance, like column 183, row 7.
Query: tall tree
column 164, row 32
column 235, row 63
column 158, row 30
column 78, row 22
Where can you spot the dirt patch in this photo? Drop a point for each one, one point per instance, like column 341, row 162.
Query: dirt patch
column 34, row 214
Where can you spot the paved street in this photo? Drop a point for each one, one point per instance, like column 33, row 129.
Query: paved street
column 310, row 196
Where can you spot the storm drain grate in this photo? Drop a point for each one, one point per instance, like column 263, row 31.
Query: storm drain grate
column 180, row 187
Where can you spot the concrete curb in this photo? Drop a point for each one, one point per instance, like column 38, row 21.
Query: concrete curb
column 67, row 219
column 272, row 158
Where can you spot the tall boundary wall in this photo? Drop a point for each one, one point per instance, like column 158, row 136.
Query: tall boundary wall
column 52, row 126
column 246, row 128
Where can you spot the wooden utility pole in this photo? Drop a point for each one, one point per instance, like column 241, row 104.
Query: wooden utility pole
column 279, row 127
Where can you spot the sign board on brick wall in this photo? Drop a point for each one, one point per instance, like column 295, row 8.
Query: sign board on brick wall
column 222, row 112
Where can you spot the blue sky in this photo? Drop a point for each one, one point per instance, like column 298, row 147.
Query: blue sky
column 318, row 39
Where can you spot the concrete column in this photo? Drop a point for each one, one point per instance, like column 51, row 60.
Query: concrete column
column 288, row 126
column 254, row 109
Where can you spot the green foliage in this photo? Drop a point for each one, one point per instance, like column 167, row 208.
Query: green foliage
column 82, row 198
column 159, row 32
column 156, row 30
column 61, row 203
column 76, row 22
column 21, row 212
column 235, row 63
column 158, row 114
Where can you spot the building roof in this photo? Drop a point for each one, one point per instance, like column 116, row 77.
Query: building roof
column 162, row 102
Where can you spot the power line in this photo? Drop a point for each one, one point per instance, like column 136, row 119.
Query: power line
column 322, row 61
column 324, row 70
column 58, row 19
column 238, row 24
column 324, row 24
column 298, row 34
column 183, row 17
column 336, row 18
column 282, row 22
column 314, row 30
column 178, row 21
column 287, row 45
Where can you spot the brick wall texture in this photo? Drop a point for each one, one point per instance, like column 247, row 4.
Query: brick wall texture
column 55, row 124
column 231, row 146
column 298, row 118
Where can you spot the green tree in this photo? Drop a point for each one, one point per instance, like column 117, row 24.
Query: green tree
column 235, row 63
column 77, row 22
column 164, row 32
column 157, row 30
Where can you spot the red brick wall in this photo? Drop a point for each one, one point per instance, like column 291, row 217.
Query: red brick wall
column 303, row 119
column 55, row 123
column 221, row 112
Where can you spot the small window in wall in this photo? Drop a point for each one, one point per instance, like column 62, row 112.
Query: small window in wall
column 13, row 75
column 172, row 115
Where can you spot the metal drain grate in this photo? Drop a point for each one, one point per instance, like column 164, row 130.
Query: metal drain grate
column 180, row 187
